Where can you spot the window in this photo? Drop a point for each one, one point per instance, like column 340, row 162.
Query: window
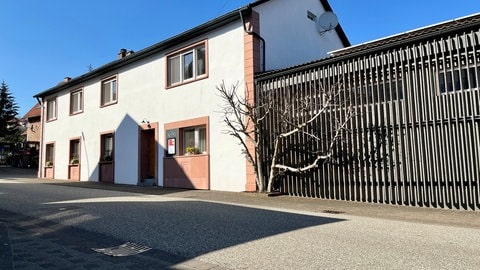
column 109, row 91
column 74, row 152
column 459, row 73
column 194, row 140
column 49, row 154
column 187, row 65
column 76, row 101
column 51, row 109
column 106, row 147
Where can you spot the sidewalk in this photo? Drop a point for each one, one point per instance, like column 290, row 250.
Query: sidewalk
column 460, row 218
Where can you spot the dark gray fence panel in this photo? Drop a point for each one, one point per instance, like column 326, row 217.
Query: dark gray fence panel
column 415, row 136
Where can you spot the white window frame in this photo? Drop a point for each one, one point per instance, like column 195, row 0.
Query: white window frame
column 199, row 140
column 112, row 91
column 180, row 57
column 51, row 109
column 76, row 107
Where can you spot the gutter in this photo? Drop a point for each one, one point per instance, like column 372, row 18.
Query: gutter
column 255, row 34
column 42, row 138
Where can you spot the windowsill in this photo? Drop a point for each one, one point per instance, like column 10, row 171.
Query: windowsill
column 106, row 162
column 75, row 113
column 108, row 104
column 187, row 156
column 187, row 82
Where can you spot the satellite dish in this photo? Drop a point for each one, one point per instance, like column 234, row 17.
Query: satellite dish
column 326, row 22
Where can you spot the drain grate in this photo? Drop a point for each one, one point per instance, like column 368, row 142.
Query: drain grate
column 126, row 249
column 332, row 212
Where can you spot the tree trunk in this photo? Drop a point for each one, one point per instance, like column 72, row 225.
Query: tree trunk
column 272, row 166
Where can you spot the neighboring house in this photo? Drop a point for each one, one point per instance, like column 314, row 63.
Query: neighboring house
column 152, row 116
column 27, row 153
column 33, row 124
column 415, row 137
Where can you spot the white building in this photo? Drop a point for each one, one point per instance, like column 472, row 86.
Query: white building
column 137, row 118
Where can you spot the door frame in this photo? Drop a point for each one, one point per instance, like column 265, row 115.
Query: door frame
column 141, row 131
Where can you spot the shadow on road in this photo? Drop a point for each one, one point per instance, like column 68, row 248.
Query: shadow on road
column 188, row 228
column 185, row 227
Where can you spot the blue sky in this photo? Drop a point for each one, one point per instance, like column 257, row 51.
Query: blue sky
column 43, row 41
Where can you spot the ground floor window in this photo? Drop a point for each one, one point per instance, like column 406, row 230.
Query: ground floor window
column 74, row 151
column 106, row 147
column 188, row 137
column 195, row 141
column 49, row 154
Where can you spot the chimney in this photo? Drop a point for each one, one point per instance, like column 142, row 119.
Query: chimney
column 130, row 52
column 67, row 79
column 122, row 53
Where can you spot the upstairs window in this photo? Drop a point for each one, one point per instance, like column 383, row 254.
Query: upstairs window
column 187, row 65
column 76, row 101
column 109, row 91
column 51, row 109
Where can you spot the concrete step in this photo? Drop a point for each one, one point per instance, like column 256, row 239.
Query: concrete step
column 149, row 182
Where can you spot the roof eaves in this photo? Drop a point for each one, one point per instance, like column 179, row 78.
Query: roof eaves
column 338, row 29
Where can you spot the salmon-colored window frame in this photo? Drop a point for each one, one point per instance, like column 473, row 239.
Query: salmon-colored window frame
column 49, row 154
column 104, row 82
column 78, row 91
column 104, row 156
column 188, row 124
column 180, row 53
column 75, row 147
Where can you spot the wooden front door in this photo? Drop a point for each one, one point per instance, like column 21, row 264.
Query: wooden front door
column 148, row 154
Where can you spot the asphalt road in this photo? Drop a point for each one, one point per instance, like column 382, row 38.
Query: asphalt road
column 219, row 230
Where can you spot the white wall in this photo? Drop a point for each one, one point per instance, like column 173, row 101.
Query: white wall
column 292, row 38
column 142, row 95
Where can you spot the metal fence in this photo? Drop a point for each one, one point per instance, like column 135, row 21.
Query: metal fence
column 415, row 135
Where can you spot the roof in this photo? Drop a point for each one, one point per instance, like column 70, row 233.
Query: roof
column 417, row 35
column 170, row 42
column 35, row 111
column 414, row 35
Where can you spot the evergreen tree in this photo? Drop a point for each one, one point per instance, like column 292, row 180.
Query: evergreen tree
column 8, row 112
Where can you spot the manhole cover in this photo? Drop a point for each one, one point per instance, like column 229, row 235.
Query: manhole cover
column 126, row 249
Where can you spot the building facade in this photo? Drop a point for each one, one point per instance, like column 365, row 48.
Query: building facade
column 414, row 138
column 150, row 117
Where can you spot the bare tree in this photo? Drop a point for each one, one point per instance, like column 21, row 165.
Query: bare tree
column 244, row 121
column 294, row 116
